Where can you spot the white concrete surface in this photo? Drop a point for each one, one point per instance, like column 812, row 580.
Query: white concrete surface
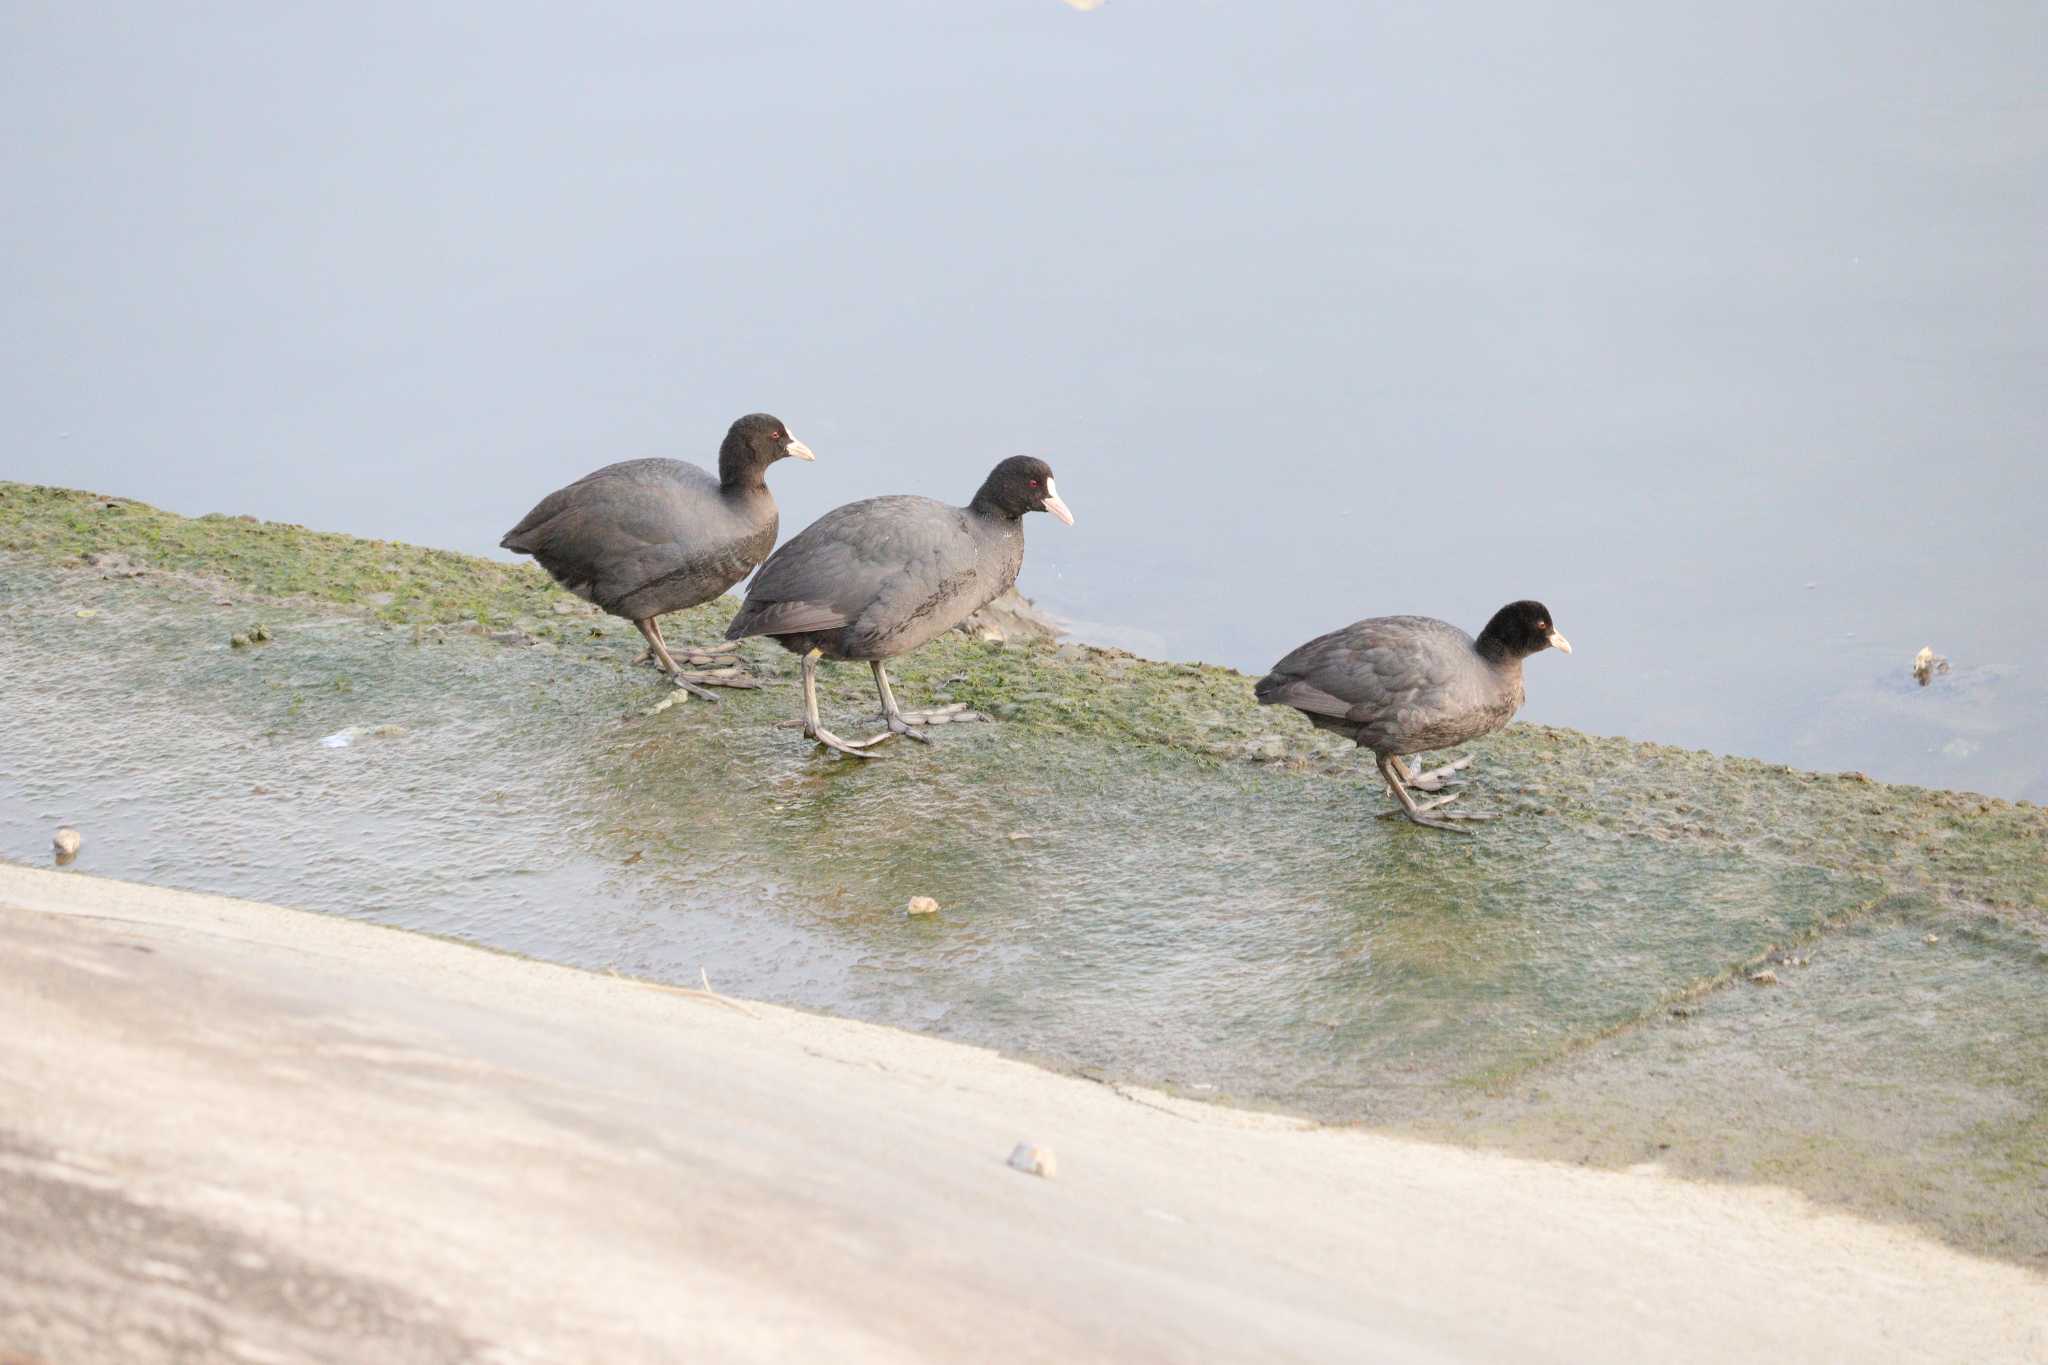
column 230, row 1131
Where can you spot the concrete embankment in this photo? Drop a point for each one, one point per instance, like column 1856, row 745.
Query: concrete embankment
column 230, row 1131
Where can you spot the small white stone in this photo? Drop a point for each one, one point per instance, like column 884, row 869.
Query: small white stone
column 66, row 841
column 1033, row 1159
column 922, row 905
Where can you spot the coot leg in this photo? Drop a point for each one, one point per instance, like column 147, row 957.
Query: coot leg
column 900, row 724
column 814, row 728
column 693, row 683
column 1436, row 778
column 1391, row 768
column 652, row 631
column 723, row 655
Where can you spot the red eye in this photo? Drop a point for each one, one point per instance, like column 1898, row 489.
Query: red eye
column 1034, row 483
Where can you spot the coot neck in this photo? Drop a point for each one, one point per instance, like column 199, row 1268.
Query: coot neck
column 986, row 507
column 738, row 469
column 1497, row 652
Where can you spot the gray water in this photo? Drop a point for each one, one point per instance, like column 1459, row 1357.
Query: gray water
column 1717, row 327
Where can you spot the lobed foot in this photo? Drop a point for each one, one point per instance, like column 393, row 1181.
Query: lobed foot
column 684, row 682
column 699, row 656
column 905, row 723
column 719, row 677
column 1436, row 778
column 1431, row 815
column 851, row 748
column 1439, row 822
column 1420, row 807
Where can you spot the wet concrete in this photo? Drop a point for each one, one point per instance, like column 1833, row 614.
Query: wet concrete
column 1141, row 876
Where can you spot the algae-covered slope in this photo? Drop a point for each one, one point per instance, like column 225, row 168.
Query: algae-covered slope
column 1142, row 874
column 1974, row 847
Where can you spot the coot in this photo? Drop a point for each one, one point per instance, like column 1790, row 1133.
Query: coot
column 875, row 579
column 645, row 537
column 1409, row 684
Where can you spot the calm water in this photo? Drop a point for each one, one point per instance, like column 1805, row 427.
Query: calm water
column 1719, row 328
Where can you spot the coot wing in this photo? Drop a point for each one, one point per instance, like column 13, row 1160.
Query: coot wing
column 1371, row 669
column 878, row 559
column 621, row 527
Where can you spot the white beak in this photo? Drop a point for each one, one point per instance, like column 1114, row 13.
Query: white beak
column 798, row 449
column 1055, row 506
column 1557, row 641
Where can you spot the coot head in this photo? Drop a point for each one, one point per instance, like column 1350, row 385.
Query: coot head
column 1520, row 629
column 755, row 442
column 1018, row 485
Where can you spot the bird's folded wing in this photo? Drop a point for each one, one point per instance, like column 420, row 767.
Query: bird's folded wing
column 784, row 618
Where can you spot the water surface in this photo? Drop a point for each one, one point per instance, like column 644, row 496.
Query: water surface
column 1719, row 328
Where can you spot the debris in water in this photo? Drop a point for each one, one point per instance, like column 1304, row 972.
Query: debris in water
column 1766, row 977
column 1033, row 1159
column 86, row 613
column 340, row 739
column 922, row 905
column 66, row 842
column 389, row 732
column 1934, row 938
column 1926, row 664
column 238, row 642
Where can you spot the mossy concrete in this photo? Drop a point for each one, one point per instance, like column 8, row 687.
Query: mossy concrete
column 1143, row 875
column 1967, row 846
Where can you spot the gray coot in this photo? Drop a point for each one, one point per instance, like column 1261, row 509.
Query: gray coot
column 645, row 537
column 1409, row 684
column 875, row 579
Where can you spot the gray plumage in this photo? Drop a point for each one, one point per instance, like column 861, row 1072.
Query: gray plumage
column 1397, row 685
column 643, row 538
column 1401, row 685
column 875, row 579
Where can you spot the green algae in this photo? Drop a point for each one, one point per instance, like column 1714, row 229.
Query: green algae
column 1894, row 1069
column 1973, row 847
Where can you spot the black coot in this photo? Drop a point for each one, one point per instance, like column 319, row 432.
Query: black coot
column 875, row 579
column 645, row 537
column 1410, row 684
